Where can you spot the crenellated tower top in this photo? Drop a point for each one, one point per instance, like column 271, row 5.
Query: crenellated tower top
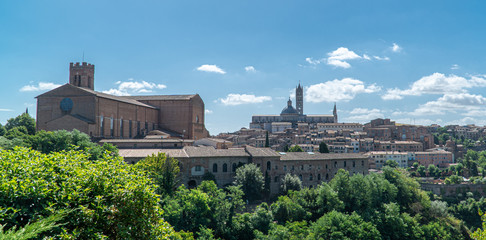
column 81, row 75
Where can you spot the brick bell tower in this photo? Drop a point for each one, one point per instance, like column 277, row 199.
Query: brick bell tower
column 81, row 75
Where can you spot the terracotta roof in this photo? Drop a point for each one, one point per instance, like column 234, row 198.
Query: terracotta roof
column 146, row 140
column 162, row 97
column 205, row 151
column 142, row 153
column 116, row 98
column 293, row 156
column 261, row 152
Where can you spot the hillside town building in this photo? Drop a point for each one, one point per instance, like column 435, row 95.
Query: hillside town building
column 76, row 105
column 312, row 168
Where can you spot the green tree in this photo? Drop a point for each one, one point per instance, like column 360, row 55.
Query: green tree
column 2, row 130
column 295, row 148
column 23, row 120
column 286, row 210
column 323, row 148
column 336, row 225
column 251, row 180
column 421, row 170
column 391, row 163
column 163, row 170
column 453, row 179
column 290, row 182
column 433, row 171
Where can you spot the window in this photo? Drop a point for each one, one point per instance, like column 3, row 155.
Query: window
column 326, row 166
column 327, row 176
column 198, row 168
column 276, row 179
column 285, row 167
column 335, row 164
column 111, row 127
column 319, row 177
column 301, row 167
column 292, row 168
column 130, row 129
column 300, row 176
column 121, row 128
column 362, row 163
column 344, row 163
column 311, row 177
column 225, row 167
column 102, row 129
column 269, row 166
column 233, row 169
column 354, row 163
column 215, row 167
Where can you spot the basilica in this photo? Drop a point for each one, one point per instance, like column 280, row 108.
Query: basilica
column 76, row 105
column 290, row 116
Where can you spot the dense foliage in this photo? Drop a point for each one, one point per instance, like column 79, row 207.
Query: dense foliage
column 251, row 180
column 105, row 198
column 164, row 171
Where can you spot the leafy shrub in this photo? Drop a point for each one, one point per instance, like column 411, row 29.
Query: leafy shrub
column 105, row 198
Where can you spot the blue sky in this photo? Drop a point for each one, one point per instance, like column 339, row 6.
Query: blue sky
column 417, row 62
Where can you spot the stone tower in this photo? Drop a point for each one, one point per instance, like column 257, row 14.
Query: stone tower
column 299, row 99
column 334, row 112
column 81, row 75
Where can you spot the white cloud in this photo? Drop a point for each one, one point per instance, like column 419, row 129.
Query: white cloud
column 250, row 69
column 340, row 56
column 418, row 121
column 207, row 111
column 237, row 99
column 466, row 121
column 5, row 110
column 436, row 83
column 455, row 67
column 381, row 58
column 396, row 48
column 338, row 90
column 364, row 115
column 42, row 86
column 312, row 61
column 452, row 103
column 210, row 68
column 131, row 87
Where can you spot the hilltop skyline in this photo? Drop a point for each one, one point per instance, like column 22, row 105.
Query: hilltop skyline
column 413, row 62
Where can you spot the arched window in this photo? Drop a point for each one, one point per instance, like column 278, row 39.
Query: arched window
column 311, row 177
column 215, row 167
column 225, row 167
column 300, row 176
column 362, row 163
column 319, row 177
column 269, row 166
column 344, row 163
column 233, row 168
column 276, row 179
column 335, row 164
column 327, row 176
column 354, row 163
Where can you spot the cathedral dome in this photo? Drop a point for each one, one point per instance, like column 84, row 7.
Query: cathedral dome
column 289, row 110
